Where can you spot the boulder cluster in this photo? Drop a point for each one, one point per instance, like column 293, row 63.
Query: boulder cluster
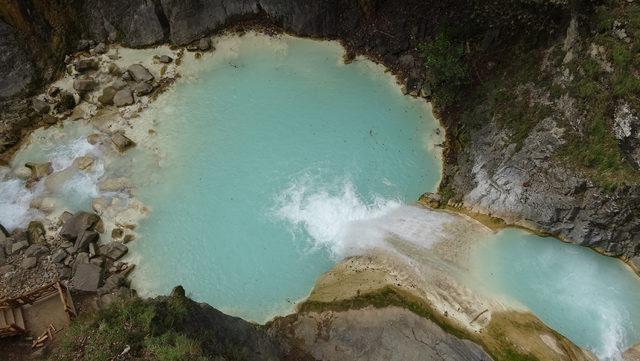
column 70, row 251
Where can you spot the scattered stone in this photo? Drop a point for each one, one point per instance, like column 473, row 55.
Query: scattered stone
column 84, row 239
column 86, row 277
column 36, row 232
column 107, row 95
column 100, row 48
column 40, row 106
column 18, row 246
column 98, row 261
column 84, row 85
column 114, row 69
column 123, row 97
column 36, row 250
column 66, row 244
column 39, row 170
column 121, row 141
column 29, row 262
column 6, row 269
column 76, row 225
column 128, row 238
column 64, row 273
column 126, row 76
column 117, row 233
column 118, row 84
column 143, row 88
column 94, row 138
column 82, row 257
column 140, row 73
column 166, row 59
column 204, row 44
column 84, row 162
column 113, row 250
column 69, row 260
column 59, row 255
column 84, row 65
column 114, row 185
column 92, row 250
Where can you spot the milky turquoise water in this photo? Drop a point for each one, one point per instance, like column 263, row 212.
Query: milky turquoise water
column 270, row 143
column 591, row 299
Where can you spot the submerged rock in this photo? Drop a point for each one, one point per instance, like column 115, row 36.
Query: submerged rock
column 115, row 185
column 140, row 73
column 84, row 162
column 121, row 141
column 123, row 97
column 39, row 170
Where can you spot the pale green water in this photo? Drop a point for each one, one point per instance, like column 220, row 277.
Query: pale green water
column 591, row 299
column 269, row 154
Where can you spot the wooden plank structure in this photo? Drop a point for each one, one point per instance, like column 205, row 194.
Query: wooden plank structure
column 12, row 320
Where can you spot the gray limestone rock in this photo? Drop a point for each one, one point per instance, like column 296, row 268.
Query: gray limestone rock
column 18, row 246
column 84, row 239
column 123, row 97
column 76, row 225
column 59, row 255
column 139, row 73
column 86, row 277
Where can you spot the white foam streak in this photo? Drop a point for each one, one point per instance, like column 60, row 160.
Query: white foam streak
column 340, row 221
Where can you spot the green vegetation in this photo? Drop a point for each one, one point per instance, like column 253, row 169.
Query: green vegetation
column 134, row 323
column 444, row 59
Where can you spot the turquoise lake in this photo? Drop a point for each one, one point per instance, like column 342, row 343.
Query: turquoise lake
column 271, row 148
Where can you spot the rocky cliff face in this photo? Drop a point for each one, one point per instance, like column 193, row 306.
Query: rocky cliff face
column 517, row 180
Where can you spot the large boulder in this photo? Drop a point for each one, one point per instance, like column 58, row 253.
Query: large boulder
column 84, row 239
column 80, row 222
column 86, row 277
column 123, row 97
column 140, row 73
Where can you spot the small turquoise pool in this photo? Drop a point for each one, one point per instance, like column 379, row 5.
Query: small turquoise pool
column 591, row 299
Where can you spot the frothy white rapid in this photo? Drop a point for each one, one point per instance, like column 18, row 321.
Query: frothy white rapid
column 339, row 219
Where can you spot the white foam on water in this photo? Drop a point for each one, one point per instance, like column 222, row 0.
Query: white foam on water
column 335, row 217
column 15, row 199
